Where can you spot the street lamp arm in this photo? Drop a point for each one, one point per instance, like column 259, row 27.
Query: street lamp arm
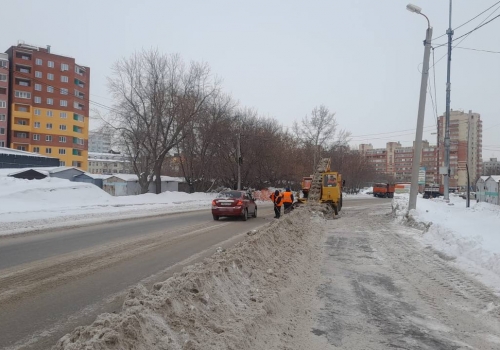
column 427, row 18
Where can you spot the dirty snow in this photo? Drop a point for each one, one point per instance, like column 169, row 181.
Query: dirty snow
column 470, row 237
column 238, row 299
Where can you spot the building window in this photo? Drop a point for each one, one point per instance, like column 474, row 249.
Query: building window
column 3, row 77
column 63, row 103
column 64, row 67
column 2, row 131
column 3, row 104
column 23, row 94
column 62, row 139
column 50, row 89
column 62, row 163
column 38, row 87
column 3, row 63
column 77, row 164
column 50, row 113
column 49, row 125
column 79, row 70
column 62, row 127
column 38, row 74
column 38, row 61
column 21, row 148
column 2, row 117
column 48, row 150
column 62, row 151
column 50, row 76
column 64, row 91
column 36, row 149
column 48, row 138
column 50, row 101
column 22, row 135
column 37, row 111
column 64, row 79
column 63, row 115
column 50, row 64
column 78, row 117
column 22, row 82
column 37, row 125
column 36, row 137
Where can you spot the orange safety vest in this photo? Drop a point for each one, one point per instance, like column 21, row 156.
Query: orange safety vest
column 287, row 197
column 272, row 196
column 279, row 200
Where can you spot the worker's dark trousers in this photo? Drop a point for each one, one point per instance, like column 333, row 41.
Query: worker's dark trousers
column 288, row 207
column 277, row 212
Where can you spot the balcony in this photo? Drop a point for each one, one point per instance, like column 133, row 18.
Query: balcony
column 78, row 106
column 21, row 125
column 79, row 94
column 79, row 83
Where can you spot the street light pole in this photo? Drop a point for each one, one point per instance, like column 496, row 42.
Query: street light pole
column 421, row 110
column 447, row 117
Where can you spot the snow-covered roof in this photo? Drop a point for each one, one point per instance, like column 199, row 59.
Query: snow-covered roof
column 96, row 176
column 63, row 168
column 15, row 152
column 495, row 178
column 484, row 177
column 133, row 177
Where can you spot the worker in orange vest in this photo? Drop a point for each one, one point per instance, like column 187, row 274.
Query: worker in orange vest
column 276, row 197
column 287, row 200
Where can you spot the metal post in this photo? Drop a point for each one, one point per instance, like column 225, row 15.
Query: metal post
column 420, row 121
column 447, row 117
column 467, row 202
column 238, row 160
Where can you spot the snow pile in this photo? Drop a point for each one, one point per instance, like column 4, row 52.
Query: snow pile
column 468, row 236
column 54, row 202
column 226, row 302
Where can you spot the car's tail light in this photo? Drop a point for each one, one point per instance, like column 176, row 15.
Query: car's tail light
column 213, row 202
column 239, row 202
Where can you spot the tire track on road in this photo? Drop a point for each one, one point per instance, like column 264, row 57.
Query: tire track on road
column 21, row 281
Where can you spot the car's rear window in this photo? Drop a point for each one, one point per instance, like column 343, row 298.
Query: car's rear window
column 229, row 194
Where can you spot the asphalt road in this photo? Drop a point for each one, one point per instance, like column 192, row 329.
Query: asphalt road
column 53, row 281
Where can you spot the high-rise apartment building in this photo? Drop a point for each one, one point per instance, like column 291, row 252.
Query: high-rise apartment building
column 48, row 104
column 466, row 140
column 4, row 98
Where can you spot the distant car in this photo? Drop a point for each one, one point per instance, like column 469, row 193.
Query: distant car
column 234, row 203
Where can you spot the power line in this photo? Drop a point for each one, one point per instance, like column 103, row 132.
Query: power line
column 482, row 25
column 464, row 36
column 470, row 20
column 469, row 48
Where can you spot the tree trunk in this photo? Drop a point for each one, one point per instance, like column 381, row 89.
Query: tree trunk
column 158, row 178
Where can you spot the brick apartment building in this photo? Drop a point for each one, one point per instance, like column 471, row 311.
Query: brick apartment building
column 48, row 104
column 4, row 98
column 466, row 130
column 396, row 160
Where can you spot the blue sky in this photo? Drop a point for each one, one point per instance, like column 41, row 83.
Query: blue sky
column 360, row 58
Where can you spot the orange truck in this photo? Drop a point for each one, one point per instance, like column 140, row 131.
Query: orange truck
column 383, row 190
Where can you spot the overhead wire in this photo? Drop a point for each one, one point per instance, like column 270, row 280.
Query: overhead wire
column 470, row 20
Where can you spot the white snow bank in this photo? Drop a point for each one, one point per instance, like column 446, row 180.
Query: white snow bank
column 226, row 302
column 470, row 235
column 52, row 202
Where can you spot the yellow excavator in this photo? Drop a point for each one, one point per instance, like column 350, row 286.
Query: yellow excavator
column 325, row 187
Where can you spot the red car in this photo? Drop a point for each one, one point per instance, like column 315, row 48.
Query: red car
column 234, row 203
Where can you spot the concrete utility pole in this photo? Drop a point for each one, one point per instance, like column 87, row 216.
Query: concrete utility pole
column 447, row 117
column 421, row 111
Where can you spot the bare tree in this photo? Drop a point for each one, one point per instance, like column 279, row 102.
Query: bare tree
column 317, row 132
column 157, row 97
